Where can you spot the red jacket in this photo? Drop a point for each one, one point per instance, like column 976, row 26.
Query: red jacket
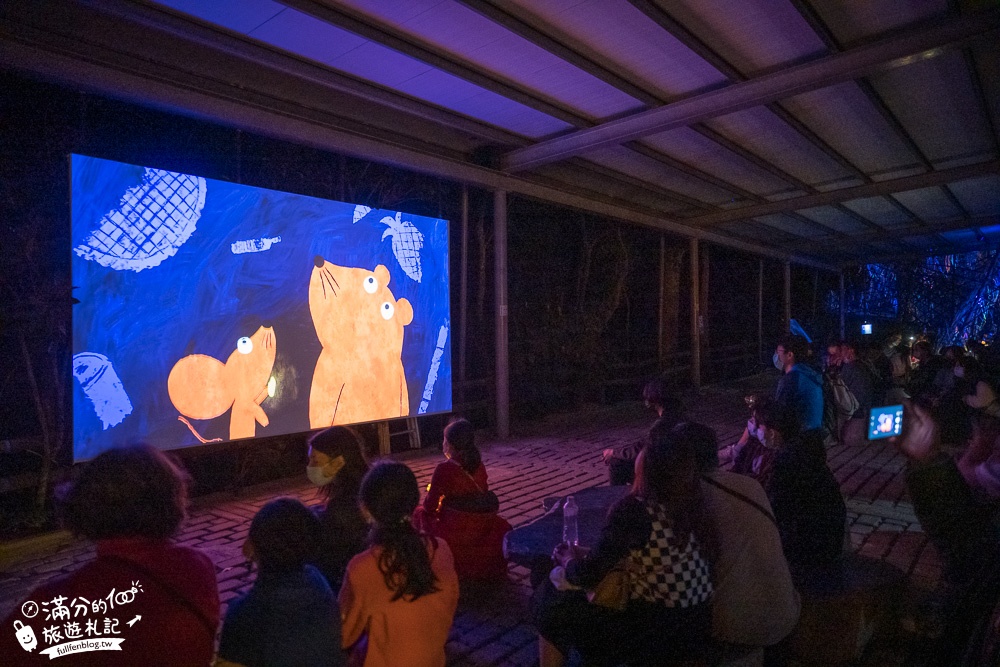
column 172, row 589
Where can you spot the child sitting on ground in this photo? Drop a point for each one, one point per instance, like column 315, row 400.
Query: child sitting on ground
column 290, row 616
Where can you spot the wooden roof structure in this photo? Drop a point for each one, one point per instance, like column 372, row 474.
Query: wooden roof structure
column 825, row 132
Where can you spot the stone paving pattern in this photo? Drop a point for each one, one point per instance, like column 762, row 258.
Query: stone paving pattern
column 551, row 457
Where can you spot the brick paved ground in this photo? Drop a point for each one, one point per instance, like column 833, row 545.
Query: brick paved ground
column 551, row 457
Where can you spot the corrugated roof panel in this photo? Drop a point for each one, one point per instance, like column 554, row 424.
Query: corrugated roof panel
column 317, row 40
column 237, row 15
column 834, row 219
column 764, row 134
column 652, row 58
column 454, row 93
column 979, row 195
column 756, row 231
column 584, row 177
column 851, row 20
column 843, row 117
column 642, row 167
column 751, row 34
column 936, row 103
column 478, row 41
column 688, row 146
column 880, row 211
column 928, row 204
column 793, row 226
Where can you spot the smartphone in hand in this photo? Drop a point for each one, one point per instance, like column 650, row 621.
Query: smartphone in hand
column 885, row 422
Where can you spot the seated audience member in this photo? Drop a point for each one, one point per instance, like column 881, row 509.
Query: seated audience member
column 290, row 616
column 399, row 596
column 669, row 410
column 804, row 494
column 664, row 531
column 754, row 603
column 921, row 385
column 860, row 381
column 130, row 502
column 336, row 466
column 460, row 509
column 964, row 531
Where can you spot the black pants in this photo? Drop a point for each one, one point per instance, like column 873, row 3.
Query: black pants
column 643, row 634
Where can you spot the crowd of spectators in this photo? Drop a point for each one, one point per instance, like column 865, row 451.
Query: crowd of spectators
column 714, row 560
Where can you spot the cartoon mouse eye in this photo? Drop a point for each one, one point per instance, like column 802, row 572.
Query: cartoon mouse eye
column 387, row 310
column 371, row 284
column 244, row 345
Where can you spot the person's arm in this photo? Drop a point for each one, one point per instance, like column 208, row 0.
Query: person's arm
column 628, row 526
column 353, row 611
column 957, row 527
column 438, row 487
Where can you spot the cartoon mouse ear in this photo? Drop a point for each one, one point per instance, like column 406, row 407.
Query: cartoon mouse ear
column 404, row 311
column 382, row 274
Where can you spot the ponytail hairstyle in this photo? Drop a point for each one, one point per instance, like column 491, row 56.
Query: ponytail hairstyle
column 389, row 492
column 462, row 438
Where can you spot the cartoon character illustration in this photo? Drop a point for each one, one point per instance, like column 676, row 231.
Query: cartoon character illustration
column 202, row 387
column 359, row 374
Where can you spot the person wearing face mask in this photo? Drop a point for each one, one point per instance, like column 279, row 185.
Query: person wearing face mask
column 808, row 507
column 799, row 391
column 336, row 467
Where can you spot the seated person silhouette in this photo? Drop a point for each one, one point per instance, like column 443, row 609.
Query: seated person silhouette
column 460, row 509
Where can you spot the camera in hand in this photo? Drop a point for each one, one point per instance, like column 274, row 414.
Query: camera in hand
column 885, row 422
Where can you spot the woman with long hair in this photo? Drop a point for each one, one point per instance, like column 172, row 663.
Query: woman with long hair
column 336, row 467
column 399, row 596
column 665, row 536
column 460, row 509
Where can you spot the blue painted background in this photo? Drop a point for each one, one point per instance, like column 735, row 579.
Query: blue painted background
column 204, row 298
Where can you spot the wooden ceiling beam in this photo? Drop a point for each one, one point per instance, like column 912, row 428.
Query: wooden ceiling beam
column 876, row 189
column 889, row 52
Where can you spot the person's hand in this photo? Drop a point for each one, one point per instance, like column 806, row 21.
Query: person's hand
column 921, row 437
column 564, row 553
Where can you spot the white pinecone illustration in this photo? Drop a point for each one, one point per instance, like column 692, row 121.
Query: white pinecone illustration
column 152, row 221
column 406, row 244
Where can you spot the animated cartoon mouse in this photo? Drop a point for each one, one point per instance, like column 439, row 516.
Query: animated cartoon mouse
column 202, row 387
column 359, row 374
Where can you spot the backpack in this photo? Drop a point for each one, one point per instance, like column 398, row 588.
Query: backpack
column 843, row 399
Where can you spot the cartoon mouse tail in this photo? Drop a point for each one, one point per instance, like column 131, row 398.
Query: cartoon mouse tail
column 196, row 434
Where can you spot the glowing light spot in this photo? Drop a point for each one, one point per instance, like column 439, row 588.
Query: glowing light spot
column 272, row 384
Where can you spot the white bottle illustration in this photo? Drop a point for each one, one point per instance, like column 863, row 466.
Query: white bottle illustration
column 26, row 636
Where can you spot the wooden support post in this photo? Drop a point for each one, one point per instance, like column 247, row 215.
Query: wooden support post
column 695, row 316
column 760, row 311
column 500, row 283
column 788, row 296
column 463, row 292
column 660, row 343
column 842, row 306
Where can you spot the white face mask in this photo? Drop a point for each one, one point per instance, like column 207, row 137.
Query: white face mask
column 317, row 475
column 777, row 364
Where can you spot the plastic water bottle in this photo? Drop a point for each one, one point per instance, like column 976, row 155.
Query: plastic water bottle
column 571, row 533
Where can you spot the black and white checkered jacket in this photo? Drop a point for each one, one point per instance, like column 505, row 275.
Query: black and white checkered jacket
column 662, row 573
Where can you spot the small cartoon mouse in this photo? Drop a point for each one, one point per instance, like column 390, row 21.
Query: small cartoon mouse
column 202, row 387
column 359, row 374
